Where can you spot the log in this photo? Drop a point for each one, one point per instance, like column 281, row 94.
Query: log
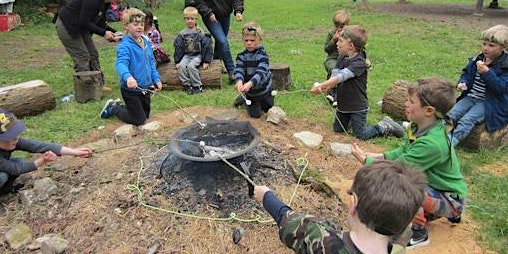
column 394, row 99
column 281, row 76
column 211, row 77
column 479, row 138
column 28, row 98
column 88, row 85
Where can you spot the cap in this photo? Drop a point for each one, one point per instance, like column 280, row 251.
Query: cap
column 10, row 126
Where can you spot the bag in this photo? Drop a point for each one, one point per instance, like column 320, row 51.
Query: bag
column 160, row 56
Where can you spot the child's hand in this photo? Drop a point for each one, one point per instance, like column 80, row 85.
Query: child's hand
column 83, row 152
column 239, row 85
column 461, row 86
column 49, row 156
column 205, row 66
column 259, row 192
column 316, row 88
column 481, row 67
column 246, row 87
column 131, row 83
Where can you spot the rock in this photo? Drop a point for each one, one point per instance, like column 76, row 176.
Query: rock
column 100, row 145
column 340, row 149
column 152, row 126
column 276, row 115
column 53, row 244
column 123, row 132
column 18, row 236
column 308, row 138
column 27, row 197
column 44, row 188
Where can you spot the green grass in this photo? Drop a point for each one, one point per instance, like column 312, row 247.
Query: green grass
column 399, row 48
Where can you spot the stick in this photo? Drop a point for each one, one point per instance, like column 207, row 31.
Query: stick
column 213, row 153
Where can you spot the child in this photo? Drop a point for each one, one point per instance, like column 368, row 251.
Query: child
column 340, row 19
column 135, row 65
column 192, row 49
column 10, row 168
column 350, row 77
column 427, row 148
column 484, row 85
column 376, row 197
column 155, row 37
column 252, row 73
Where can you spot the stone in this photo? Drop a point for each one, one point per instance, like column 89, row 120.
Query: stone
column 341, row 149
column 276, row 115
column 18, row 236
column 44, row 188
column 152, row 126
column 308, row 138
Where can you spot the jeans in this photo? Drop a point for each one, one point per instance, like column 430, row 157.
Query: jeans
column 357, row 121
column 188, row 72
column 466, row 114
column 219, row 31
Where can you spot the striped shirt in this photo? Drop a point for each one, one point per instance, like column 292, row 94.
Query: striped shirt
column 478, row 90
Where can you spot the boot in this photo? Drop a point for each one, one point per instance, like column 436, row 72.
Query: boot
column 388, row 126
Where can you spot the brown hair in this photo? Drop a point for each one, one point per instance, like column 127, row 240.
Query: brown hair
column 435, row 92
column 356, row 34
column 389, row 195
column 341, row 18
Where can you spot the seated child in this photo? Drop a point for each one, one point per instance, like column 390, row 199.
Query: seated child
column 155, row 37
column 192, row 50
column 484, row 85
column 252, row 73
column 135, row 66
column 11, row 168
column 379, row 191
column 427, row 149
column 340, row 19
column 350, row 78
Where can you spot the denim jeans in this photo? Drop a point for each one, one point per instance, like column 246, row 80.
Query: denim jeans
column 357, row 121
column 219, row 31
column 466, row 114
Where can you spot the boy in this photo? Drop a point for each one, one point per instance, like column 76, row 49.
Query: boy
column 427, row 148
column 350, row 77
column 376, row 197
column 192, row 49
column 340, row 19
column 135, row 65
column 10, row 168
column 252, row 73
column 484, row 86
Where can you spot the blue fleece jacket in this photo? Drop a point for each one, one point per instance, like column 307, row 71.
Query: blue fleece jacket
column 134, row 61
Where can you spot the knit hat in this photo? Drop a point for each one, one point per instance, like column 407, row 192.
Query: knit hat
column 10, row 126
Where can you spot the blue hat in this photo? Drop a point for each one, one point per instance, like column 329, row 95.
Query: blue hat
column 10, row 126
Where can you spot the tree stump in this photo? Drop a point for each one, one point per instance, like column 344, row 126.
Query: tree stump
column 88, row 85
column 480, row 138
column 281, row 76
column 394, row 99
column 27, row 99
column 211, row 77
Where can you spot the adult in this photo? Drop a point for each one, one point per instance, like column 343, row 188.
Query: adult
column 216, row 16
column 75, row 24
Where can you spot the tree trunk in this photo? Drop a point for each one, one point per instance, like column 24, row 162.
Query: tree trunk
column 27, row 99
column 479, row 138
column 88, row 85
column 281, row 76
column 394, row 99
column 211, row 77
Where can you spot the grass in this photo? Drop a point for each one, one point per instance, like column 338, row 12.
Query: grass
column 399, row 48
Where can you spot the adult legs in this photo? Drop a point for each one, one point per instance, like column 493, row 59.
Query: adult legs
column 219, row 31
column 75, row 46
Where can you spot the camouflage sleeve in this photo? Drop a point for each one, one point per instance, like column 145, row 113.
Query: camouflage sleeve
column 309, row 234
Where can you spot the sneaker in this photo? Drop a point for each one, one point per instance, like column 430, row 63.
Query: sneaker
column 107, row 110
column 239, row 101
column 188, row 90
column 117, row 102
column 334, row 104
column 388, row 126
column 197, row 89
column 330, row 98
column 455, row 220
column 420, row 238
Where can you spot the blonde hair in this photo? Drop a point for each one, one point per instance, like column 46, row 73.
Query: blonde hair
column 253, row 29
column 190, row 12
column 341, row 18
column 497, row 34
column 132, row 14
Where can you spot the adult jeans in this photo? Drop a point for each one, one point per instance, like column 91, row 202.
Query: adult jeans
column 357, row 121
column 219, row 31
column 466, row 114
column 188, row 71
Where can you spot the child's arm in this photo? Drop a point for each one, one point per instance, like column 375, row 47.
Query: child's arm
column 338, row 76
column 81, row 152
column 331, row 42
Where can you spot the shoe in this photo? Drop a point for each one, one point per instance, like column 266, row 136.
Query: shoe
column 197, row 90
column 420, row 238
column 388, row 126
column 334, row 104
column 455, row 220
column 330, row 98
column 106, row 89
column 107, row 110
column 117, row 102
column 188, row 90
column 239, row 101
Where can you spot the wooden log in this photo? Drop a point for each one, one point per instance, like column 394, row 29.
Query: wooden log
column 211, row 77
column 27, row 99
column 479, row 138
column 88, row 85
column 281, row 76
column 394, row 99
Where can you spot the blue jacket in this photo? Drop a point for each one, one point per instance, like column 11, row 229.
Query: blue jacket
column 496, row 95
column 133, row 61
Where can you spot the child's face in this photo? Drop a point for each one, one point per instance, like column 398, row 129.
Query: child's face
column 491, row 50
column 251, row 42
column 136, row 28
column 9, row 145
column 345, row 46
column 190, row 22
column 415, row 110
